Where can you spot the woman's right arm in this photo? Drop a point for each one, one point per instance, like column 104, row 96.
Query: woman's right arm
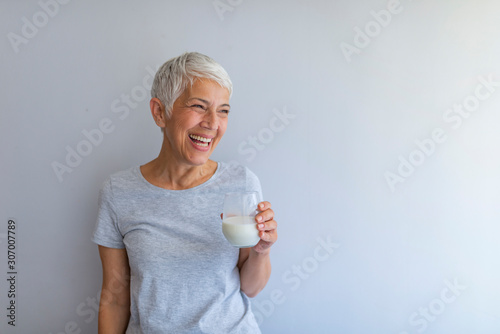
column 114, row 305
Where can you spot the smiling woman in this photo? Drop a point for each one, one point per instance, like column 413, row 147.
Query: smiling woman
column 197, row 122
column 177, row 272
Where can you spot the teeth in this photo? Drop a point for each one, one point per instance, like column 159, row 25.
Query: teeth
column 203, row 139
column 202, row 144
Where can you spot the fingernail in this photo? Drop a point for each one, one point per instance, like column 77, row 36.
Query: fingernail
column 261, row 225
column 259, row 218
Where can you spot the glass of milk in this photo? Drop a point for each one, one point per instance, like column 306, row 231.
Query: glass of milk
column 238, row 219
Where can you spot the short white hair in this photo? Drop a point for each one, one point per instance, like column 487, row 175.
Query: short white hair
column 172, row 78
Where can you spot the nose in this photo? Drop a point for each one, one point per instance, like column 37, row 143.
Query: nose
column 210, row 120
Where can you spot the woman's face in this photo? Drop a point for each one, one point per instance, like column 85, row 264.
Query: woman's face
column 198, row 122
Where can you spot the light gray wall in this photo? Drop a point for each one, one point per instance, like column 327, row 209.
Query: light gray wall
column 363, row 247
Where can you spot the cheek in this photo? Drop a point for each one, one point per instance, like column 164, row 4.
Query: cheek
column 183, row 125
column 223, row 127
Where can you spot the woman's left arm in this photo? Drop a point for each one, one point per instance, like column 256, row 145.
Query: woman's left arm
column 254, row 263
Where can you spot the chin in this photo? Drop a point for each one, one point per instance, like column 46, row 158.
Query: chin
column 199, row 161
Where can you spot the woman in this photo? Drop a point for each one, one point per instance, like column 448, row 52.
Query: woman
column 166, row 265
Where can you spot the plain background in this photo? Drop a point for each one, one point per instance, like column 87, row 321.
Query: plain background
column 352, row 118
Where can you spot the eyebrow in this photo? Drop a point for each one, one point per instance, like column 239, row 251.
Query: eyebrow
column 206, row 102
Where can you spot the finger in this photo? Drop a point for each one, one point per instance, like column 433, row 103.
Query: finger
column 264, row 205
column 269, row 238
column 264, row 216
column 267, row 226
column 221, row 216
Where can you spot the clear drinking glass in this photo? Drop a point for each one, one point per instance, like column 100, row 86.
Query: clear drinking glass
column 238, row 219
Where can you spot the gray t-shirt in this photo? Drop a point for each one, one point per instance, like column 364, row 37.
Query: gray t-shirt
column 184, row 277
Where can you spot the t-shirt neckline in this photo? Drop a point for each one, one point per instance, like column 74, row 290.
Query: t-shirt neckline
column 137, row 171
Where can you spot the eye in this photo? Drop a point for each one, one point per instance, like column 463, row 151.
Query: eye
column 225, row 111
column 199, row 106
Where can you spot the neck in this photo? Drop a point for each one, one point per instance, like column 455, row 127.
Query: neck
column 170, row 173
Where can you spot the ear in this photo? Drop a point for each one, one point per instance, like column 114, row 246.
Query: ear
column 158, row 112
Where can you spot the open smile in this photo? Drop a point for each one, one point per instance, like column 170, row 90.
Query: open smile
column 200, row 141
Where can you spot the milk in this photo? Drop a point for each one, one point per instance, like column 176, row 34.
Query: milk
column 241, row 231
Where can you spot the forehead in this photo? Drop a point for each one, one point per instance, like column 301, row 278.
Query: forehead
column 206, row 88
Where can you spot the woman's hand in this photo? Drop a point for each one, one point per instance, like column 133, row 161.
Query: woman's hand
column 255, row 263
column 267, row 227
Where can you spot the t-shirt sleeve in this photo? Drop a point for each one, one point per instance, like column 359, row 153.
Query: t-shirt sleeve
column 253, row 183
column 106, row 232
